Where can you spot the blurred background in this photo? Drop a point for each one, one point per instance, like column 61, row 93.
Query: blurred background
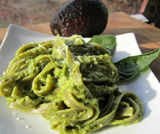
column 24, row 12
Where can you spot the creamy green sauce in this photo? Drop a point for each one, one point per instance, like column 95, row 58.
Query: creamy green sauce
column 71, row 83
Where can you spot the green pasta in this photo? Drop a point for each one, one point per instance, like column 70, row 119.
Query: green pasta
column 71, row 83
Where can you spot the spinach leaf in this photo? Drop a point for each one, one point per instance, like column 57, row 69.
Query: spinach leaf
column 131, row 66
column 107, row 41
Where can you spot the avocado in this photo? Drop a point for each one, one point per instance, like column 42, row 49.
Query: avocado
column 82, row 17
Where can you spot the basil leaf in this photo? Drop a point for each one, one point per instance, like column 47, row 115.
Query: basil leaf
column 131, row 66
column 107, row 41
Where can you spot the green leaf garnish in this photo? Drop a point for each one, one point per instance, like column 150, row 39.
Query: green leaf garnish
column 131, row 66
column 107, row 41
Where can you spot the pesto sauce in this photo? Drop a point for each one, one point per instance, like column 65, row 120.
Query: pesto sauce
column 71, row 83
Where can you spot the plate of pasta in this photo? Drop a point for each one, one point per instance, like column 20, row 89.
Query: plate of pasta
column 52, row 85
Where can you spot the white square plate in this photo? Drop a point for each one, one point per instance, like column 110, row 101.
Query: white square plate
column 146, row 86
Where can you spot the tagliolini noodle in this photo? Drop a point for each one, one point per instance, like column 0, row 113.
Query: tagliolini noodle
column 71, row 83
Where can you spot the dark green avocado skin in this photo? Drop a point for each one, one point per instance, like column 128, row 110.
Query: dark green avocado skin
column 82, row 17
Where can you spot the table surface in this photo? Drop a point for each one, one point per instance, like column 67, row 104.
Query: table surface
column 148, row 37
